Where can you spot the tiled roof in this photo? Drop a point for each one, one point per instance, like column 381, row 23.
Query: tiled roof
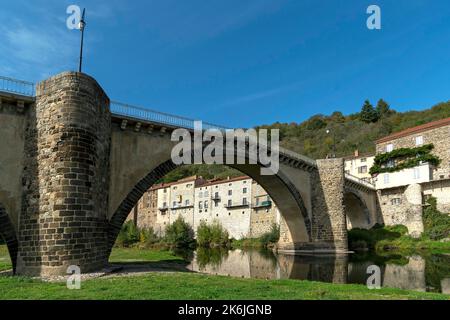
column 219, row 181
column 414, row 130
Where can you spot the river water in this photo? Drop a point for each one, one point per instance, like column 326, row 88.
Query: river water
column 428, row 272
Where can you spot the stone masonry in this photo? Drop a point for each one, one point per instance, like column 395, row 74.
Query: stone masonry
column 76, row 171
column 65, row 180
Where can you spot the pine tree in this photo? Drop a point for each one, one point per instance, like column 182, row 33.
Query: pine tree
column 368, row 113
column 382, row 108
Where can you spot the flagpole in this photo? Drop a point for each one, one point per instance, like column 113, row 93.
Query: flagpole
column 82, row 25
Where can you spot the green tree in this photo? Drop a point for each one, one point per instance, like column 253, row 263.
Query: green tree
column 179, row 234
column 368, row 113
column 382, row 108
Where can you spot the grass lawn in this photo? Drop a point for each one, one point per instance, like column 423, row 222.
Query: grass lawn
column 185, row 285
column 5, row 261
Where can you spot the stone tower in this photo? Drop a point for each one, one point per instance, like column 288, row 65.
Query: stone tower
column 65, row 180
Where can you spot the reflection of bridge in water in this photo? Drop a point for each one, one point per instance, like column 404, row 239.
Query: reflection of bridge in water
column 411, row 274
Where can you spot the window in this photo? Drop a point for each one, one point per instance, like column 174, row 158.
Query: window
column 257, row 202
column 216, row 195
column 200, row 205
column 186, row 202
column 389, row 147
column 164, row 204
column 390, row 163
column 244, row 190
column 206, row 194
column 165, row 191
column 206, row 204
column 174, row 188
column 416, row 173
column 244, row 201
column 396, row 201
column 386, row 178
column 363, row 160
column 229, row 203
column 419, row 140
column 200, row 194
column 362, row 169
column 174, row 204
column 189, row 186
column 230, row 192
column 216, row 204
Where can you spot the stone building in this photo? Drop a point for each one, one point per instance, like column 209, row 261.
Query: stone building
column 264, row 212
column 227, row 201
column 358, row 165
column 402, row 194
column 145, row 213
column 239, row 204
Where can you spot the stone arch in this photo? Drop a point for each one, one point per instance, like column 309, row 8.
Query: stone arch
column 282, row 191
column 8, row 234
column 356, row 210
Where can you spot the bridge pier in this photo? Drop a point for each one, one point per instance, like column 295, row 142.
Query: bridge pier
column 328, row 232
column 66, row 178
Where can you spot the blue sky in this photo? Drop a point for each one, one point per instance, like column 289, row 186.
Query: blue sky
column 239, row 63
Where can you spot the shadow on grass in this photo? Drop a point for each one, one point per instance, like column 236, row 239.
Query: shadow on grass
column 130, row 267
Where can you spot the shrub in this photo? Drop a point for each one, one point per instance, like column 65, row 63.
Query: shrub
column 272, row 236
column 128, row 235
column 436, row 224
column 357, row 237
column 212, row 235
column 179, row 234
column 147, row 236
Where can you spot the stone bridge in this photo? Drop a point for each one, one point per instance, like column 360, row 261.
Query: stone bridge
column 73, row 164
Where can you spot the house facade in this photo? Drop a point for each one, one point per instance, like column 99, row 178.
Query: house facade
column 403, row 193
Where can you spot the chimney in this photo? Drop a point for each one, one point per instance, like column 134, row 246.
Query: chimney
column 356, row 153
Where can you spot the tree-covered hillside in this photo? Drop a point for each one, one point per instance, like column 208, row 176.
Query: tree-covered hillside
column 350, row 132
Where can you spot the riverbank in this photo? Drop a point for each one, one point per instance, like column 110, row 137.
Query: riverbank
column 189, row 286
column 394, row 239
column 174, row 280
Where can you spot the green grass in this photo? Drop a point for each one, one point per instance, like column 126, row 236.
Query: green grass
column 5, row 261
column 138, row 255
column 188, row 286
column 394, row 239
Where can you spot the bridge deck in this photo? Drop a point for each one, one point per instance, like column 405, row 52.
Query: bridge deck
column 25, row 91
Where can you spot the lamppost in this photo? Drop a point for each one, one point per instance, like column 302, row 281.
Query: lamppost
column 333, row 155
column 81, row 26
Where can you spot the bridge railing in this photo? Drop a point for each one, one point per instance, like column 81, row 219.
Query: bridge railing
column 145, row 114
column 369, row 184
column 15, row 86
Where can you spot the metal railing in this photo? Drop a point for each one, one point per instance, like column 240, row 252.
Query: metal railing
column 15, row 86
column 139, row 113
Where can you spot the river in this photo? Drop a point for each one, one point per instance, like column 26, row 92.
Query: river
column 426, row 272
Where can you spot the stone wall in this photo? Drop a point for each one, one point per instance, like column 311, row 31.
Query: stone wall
column 329, row 227
column 439, row 137
column 407, row 211
column 65, row 180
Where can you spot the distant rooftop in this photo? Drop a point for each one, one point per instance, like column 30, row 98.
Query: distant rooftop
column 414, row 130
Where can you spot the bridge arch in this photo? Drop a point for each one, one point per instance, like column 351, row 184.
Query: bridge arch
column 8, row 234
column 280, row 187
column 356, row 210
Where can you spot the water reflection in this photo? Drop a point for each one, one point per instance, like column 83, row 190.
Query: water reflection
column 421, row 273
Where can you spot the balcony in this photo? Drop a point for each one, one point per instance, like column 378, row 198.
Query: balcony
column 236, row 205
column 180, row 206
column 163, row 208
column 420, row 174
column 215, row 198
column 263, row 204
